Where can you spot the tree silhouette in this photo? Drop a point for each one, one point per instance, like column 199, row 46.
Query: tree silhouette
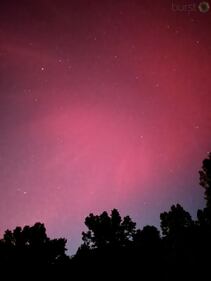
column 205, row 179
column 114, row 246
column 146, row 252
column 204, row 216
column 175, row 221
column 179, row 234
column 105, row 230
column 148, row 237
column 147, row 243
column 31, row 245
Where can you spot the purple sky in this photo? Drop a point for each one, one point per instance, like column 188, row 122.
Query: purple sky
column 103, row 104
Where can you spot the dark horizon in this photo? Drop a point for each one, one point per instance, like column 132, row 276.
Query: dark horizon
column 114, row 246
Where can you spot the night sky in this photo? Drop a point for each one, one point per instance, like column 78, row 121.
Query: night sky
column 103, row 104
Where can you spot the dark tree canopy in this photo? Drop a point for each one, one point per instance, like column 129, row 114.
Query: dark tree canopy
column 147, row 241
column 105, row 230
column 148, row 235
column 31, row 245
column 205, row 179
column 175, row 221
column 114, row 246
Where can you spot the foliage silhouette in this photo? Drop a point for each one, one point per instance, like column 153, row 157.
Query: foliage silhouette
column 31, row 245
column 204, row 216
column 205, row 179
column 115, row 247
column 105, row 230
column 147, row 238
column 175, row 221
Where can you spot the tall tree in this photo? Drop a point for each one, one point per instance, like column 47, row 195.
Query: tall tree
column 175, row 221
column 205, row 179
column 204, row 216
column 31, row 245
column 105, row 230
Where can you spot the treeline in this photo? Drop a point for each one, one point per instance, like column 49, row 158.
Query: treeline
column 113, row 246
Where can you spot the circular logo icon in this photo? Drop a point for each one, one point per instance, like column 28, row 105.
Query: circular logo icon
column 204, row 7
